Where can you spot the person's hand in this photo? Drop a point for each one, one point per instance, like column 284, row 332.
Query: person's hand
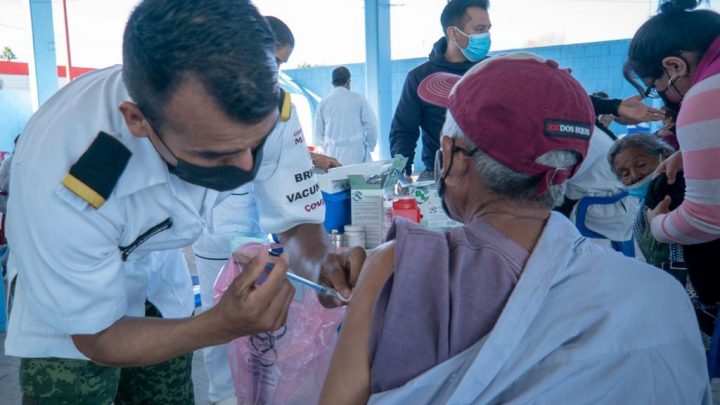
column 247, row 308
column 633, row 111
column 340, row 271
column 606, row 119
column 323, row 161
column 662, row 208
column 671, row 166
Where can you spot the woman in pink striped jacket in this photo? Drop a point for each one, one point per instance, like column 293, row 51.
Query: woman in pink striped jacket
column 677, row 54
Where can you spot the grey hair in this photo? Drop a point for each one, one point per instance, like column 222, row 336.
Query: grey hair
column 508, row 183
column 648, row 143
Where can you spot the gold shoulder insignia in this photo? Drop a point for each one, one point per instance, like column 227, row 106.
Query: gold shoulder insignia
column 285, row 106
column 94, row 176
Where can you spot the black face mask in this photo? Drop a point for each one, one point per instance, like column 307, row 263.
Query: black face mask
column 220, row 178
column 671, row 84
column 669, row 104
column 663, row 95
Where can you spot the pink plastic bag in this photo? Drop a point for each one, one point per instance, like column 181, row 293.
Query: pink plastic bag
column 287, row 366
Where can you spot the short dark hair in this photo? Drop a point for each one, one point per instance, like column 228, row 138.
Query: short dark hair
column 283, row 36
column 226, row 45
column 454, row 14
column 676, row 28
column 340, row 76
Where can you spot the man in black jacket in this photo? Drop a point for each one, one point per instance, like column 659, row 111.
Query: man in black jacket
column 466, row 25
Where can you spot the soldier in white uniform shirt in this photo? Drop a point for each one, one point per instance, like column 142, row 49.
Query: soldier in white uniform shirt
column 129, row 160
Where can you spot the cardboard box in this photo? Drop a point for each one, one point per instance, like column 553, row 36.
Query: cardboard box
column 336, row 179
column 331, row 185
column 430, row 204
column 368, row 190
column 366, row 206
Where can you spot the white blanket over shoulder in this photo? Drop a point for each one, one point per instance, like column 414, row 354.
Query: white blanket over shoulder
column 584, row 325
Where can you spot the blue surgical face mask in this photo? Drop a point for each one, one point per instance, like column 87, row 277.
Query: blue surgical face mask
column 639, row 190
column 478, row 46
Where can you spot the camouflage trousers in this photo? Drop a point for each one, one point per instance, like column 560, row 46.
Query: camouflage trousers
column 68, row 381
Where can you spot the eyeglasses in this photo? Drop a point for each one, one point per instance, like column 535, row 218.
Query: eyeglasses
column 651, row 91
column 453, row 149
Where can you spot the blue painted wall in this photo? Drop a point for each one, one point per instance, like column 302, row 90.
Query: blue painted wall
column 43, row 38
column 598, row 66
column 15, row 111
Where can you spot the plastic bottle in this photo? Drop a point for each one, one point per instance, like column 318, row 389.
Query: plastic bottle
column 337, row 239
column 355, row 235
column 408, row 208
column 387, row 219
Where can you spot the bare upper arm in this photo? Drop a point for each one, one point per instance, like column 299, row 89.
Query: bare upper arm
column 348, row 379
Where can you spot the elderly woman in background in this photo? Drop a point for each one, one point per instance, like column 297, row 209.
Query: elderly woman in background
column 634, row 159
column 514, row 306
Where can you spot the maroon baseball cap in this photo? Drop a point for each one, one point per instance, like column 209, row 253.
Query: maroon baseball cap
column 515, row 108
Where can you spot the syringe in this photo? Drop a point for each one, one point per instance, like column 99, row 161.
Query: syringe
column 321, row 289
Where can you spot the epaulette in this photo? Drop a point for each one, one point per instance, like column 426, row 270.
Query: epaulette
column 285, row 106
column 94, row 176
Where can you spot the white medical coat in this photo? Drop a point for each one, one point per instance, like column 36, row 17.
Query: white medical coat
column 595, row 178
column 71, row 278
column 583, row 325
column 346, row 127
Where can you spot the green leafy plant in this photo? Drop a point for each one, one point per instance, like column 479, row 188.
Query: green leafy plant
column 7, row 54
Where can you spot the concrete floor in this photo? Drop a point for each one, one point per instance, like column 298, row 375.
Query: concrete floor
column 9, row 382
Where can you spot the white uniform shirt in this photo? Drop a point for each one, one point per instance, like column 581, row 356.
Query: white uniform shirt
column 595, row 178
column 71, row 278
column 346, row 127
column 225, row 224
column 583, row 325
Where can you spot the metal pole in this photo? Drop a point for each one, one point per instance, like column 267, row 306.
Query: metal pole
column 378, row 79
column 68, row 68
column 43, row 64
